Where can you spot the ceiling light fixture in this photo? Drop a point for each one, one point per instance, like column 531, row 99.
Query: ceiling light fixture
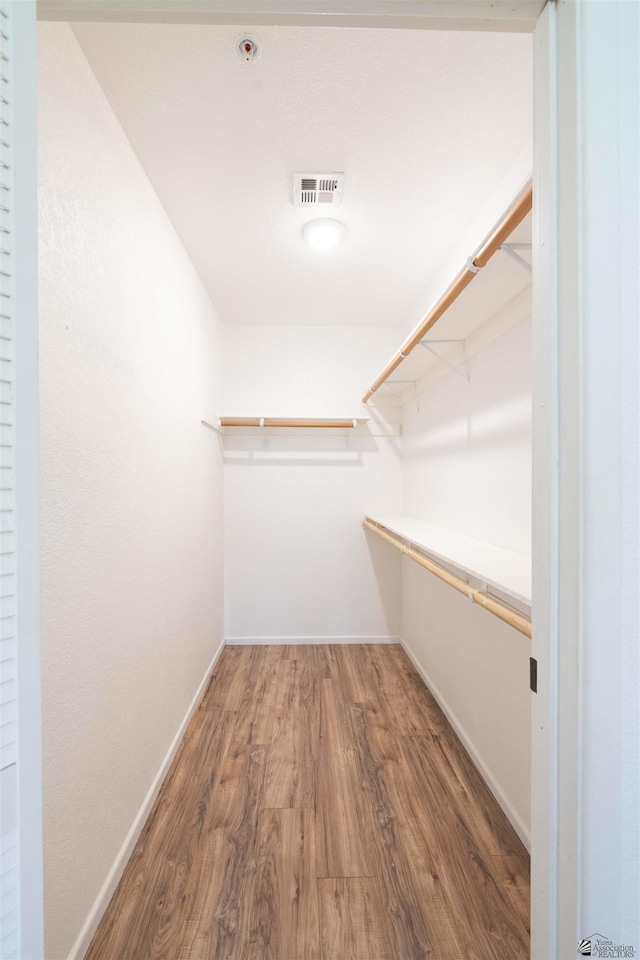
column 324, row 233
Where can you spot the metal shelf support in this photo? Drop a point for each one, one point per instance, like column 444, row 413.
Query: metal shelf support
column 428, row 345
column 511, row 248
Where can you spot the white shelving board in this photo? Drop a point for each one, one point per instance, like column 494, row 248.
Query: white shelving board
column 365, row 427
column 504, row 571
column 496, row 286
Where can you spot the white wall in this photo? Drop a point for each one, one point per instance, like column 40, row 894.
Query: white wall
column 131, row 484
column 609, row 230
column 467, row 467
column 298, row 564
column 466, row 452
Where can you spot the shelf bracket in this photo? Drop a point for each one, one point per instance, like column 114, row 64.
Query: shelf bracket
column 395, row 393
column 428, row 345
column 212, row 423
column 511, row 248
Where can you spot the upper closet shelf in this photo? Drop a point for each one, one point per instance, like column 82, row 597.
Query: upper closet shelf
column 500, row 271
column 504, row 571
column 326, row 423
column 296, row 426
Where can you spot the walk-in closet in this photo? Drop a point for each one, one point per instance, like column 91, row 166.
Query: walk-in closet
column 305, row 471
column 297, row 349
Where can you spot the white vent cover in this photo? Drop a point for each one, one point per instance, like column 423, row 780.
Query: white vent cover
column 310, row 189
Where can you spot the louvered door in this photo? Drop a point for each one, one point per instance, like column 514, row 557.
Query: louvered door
column 9, row 917
column 20, row 829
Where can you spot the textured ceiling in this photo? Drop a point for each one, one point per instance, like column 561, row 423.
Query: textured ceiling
column 423, row 123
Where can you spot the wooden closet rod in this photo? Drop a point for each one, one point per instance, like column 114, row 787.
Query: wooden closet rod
column 271, row 422
column 504, row 228
column 499, row 609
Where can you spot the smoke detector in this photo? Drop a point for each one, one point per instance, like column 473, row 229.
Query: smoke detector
column 247, row 49
column 310, row 189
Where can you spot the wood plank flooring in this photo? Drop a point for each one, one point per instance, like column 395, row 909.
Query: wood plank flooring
column 320, row 807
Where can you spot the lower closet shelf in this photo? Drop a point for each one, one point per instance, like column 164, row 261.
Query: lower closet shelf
column 504, row 573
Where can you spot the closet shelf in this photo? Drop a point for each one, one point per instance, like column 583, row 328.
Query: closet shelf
column 505, row 573
column 459, row 312
column 361, row 427
column 343, row 423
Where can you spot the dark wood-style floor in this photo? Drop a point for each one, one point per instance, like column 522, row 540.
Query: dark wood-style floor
column 320, row 806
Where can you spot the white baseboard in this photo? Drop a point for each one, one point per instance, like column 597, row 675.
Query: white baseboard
column 265, row 641
column 101, row 903
column 514, row 818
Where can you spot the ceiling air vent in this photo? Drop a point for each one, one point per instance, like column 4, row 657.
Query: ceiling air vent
column 310, row 189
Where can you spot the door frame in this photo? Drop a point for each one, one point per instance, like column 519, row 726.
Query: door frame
column 585, row 717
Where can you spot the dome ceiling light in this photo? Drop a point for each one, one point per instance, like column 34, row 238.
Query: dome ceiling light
column 323, row 233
